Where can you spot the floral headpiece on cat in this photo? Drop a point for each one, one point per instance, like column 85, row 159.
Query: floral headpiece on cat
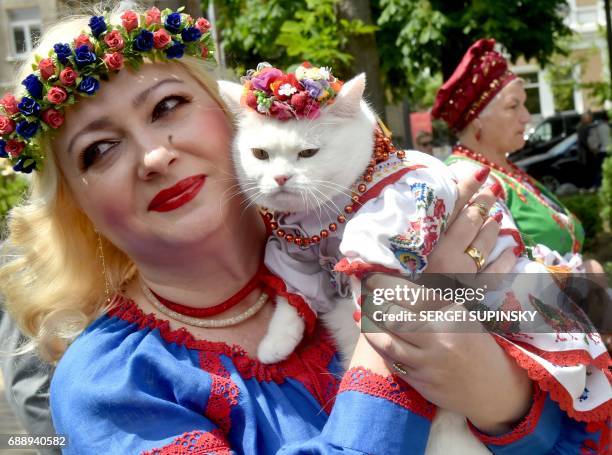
column 285, row 96
column 74, row 70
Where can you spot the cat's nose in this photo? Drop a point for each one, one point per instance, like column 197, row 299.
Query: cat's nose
column 281, row 179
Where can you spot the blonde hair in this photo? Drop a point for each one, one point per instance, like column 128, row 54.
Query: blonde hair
column 53, row 282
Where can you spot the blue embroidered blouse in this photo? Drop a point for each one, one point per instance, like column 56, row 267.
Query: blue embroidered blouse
column 129, row 384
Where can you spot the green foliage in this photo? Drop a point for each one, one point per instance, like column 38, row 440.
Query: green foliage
column 285, row 32
column 605, row 194
column 418, row 36
column 12, row 188
column 586, row 206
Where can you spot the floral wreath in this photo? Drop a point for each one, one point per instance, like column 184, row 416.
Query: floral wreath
column 74, row 70
column 285, row 96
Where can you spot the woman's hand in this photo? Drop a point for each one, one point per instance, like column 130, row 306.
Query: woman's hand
column 465, row 372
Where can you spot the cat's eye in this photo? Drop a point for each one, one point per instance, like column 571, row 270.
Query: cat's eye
column 308, row 153
column 260, row 154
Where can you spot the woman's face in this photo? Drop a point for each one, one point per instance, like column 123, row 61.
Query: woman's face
column 503, row 122
column 147, row 159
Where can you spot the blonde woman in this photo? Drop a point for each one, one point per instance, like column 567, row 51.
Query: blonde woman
column 131, row 240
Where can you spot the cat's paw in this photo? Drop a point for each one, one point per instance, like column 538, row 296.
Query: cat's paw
column 278, row 345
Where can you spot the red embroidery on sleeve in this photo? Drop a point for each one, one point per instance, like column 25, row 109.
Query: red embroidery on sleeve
column 195, row 442
column 223, row 392
column 390, row 388
column 525, row 426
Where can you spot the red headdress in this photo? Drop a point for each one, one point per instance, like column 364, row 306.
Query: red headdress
column 482, row 73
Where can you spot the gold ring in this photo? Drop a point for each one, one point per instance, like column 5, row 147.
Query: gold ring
column 477, row 256
column 483, row 210
column 400, row 367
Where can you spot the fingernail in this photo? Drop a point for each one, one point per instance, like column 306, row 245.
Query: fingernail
column 498, row 217
column 482, row 174
column 497, row 189
column 357, row 315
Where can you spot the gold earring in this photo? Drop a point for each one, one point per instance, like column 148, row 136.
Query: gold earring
column 106, row 280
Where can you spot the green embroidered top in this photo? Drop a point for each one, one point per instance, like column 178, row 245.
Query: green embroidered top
column 540, row 217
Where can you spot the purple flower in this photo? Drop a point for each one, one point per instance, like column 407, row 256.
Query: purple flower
column 83, row 56
column 313, row 88
column 173, row 22
column 33, row 86
column 144, row 41
column 26, row 129
column 191, row 34
column 263, row 80
column 89, row 85
column 97, row 25
column 28, row 106
column 63, row 52
column 176, row 50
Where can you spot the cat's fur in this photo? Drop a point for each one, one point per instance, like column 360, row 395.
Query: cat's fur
column 344, row 136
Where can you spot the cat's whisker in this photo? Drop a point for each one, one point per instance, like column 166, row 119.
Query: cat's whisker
column 316, row 199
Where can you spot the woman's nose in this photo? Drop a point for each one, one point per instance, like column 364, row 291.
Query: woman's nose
column 156, row 161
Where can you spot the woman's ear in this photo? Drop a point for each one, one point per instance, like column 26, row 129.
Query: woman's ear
column 231, row 93
column 348, row 101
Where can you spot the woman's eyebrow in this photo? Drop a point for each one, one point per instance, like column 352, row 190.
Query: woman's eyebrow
column 142, row 96
column 97, row 124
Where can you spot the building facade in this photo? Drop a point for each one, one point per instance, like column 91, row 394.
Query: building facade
column 587, row 62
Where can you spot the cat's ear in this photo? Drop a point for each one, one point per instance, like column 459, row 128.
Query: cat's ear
column 231, row 93
column 347, row 103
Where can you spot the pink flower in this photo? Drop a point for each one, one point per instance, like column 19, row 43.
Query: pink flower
column 47, row 68
column 68, row 76
column 52, row 118
column 202, row 25
column 204, row 52
column 9, row 103
column 7, row 125
column 265, row 77
column 57, row 95
column 82, row 40
column 439, row 208
column 251, row 100
column 114, row 40
column 14, row 148
column 129, row 20
column 153, row 16
column 161, row 39
column 281, row 111
column 114, row 61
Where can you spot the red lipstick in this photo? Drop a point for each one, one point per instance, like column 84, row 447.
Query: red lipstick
column 177, row 195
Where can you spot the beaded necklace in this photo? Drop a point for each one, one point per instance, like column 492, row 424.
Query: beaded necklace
column 383, row 149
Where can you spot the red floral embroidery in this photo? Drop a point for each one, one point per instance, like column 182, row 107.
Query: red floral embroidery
column 308, row 363
column 525, row 426
column 549, row 383
column 195, row 442
column 592, row 447
column 390, row 388
column 223, row 394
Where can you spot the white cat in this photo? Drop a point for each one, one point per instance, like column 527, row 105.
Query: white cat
column 306, row 170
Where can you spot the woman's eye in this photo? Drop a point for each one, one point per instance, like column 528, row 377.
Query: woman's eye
column 94, row 152
column 308, row 153
column 167, row 105
column 260, row 154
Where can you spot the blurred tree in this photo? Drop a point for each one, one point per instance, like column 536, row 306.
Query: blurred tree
column 432, row 35
column 13, row 187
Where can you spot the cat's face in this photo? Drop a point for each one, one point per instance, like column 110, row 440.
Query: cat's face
column 299, row 165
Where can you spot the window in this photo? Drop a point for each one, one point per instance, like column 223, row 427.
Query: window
column 532, row 89
column 548, row 130
column 24, row 28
